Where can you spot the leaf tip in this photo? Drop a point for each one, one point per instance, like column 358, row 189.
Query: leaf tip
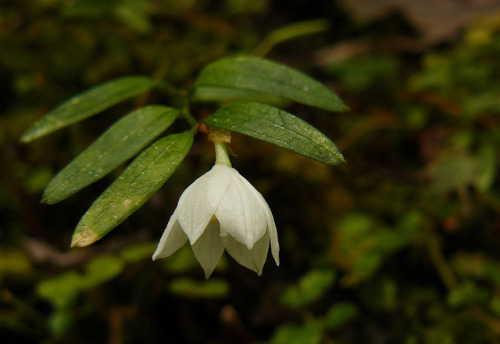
column 26, row 137
column 340, row 161
column 49, row 200
column 340, row 106
column 335, row 160
column 84, row 238
column 47, row 197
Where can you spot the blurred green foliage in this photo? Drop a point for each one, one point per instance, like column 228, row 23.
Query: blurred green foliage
column 309, row 289
column 399, row 245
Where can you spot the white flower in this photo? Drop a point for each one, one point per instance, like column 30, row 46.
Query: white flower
column 222, row 210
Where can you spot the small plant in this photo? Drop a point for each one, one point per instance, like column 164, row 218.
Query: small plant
column 255, row 80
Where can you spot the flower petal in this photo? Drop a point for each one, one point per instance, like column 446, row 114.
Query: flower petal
column 240, row 213
column 273, row 234
column 199, row 201
column 253, row 259
column 209, row 248
column 271, row 226
column 172, row 239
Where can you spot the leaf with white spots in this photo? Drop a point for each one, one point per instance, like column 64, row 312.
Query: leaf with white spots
column 89, row 103
column 278, row 127
column 119, row 143
column 262, row 76
column 142, row 178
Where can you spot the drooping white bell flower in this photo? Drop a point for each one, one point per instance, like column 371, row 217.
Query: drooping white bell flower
column 222, row 210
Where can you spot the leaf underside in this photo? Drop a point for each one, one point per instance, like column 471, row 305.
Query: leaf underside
column 261, row 75
column 142, row 178
column 119, row 143
column 88, row 103
column 278, row 127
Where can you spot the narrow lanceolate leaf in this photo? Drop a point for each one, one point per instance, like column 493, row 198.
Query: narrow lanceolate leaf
column 261, row 75
column 87, row 104
column 145, row 175
column 118, row 144
column 276, row 126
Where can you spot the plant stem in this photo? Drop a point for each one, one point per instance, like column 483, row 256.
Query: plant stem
column 440, row 263
column 221, row 156
column 290, row 32
column 179, row 99
column 189, row 118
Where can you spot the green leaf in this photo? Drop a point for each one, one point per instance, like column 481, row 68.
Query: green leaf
column 14, row 262
column 310, row 333
column 138, row 252
column 290, row 32
column 230, row 95
column 467, row 293
column 61, row 290
column 181, row 261
column 210, row 289
column 488, row 170
column 87, row 104
column 145, row 175
column 61, row 321
column 454, row 170
column 494, row 305
column 261, row 75
column 102, row 269
column 118, row 144
column 310, row 288
column 276, row 126
column 340, row 314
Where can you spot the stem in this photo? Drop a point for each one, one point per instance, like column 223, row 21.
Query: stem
column 221, row 156
column 290, row 32
column 175, row 95
column 189, row 118
column 440, row 263
column 179, row 99
column 158, row 75
column 492, row 322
